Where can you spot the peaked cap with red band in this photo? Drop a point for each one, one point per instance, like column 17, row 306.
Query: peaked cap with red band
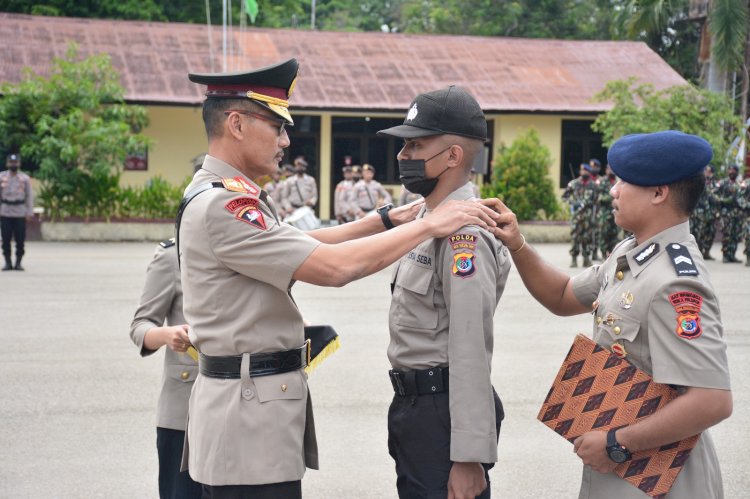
column 270, row 86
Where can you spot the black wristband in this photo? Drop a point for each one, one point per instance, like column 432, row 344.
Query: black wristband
column 383, row 212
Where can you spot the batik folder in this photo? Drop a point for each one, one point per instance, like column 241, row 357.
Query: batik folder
column 597, row 390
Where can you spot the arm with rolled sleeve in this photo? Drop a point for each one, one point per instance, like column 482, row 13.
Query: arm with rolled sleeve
column 156, row 299
column 471, row 300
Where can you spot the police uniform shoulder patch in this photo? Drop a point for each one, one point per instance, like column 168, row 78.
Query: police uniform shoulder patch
column 239, row 184
column 688, row 306
column 645, row 255
column 681, row 260
column 168, row 243
column 240, row 202
column 464, row 264
column 252, row 215
column 463, row 241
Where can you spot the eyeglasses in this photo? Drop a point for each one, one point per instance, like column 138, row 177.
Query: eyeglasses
column 281, row 123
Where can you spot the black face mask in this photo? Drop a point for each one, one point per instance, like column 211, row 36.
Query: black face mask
column 732, row 176
column 412, row 175
column 13, row 168
column 585, row 176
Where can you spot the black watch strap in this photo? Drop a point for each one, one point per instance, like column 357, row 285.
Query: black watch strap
column 383, row 211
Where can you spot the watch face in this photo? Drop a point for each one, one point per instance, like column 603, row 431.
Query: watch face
column 618, row 456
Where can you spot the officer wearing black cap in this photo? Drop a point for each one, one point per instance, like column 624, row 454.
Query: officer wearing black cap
column 250, row 425
column 444, row 419
column 653, row 304
column 16, row 205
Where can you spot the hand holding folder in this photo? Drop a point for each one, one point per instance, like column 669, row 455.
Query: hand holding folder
column 597, row 390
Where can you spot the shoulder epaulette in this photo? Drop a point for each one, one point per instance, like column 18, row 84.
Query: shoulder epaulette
column 168, row 243
column 681, row 260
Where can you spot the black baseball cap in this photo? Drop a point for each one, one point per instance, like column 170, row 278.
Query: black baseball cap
column 13, row 158
column 450, row 110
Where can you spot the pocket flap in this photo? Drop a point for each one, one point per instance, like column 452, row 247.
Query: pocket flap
column 415, row 279
column 284, row 386
column 183, row 373
column 618, row 327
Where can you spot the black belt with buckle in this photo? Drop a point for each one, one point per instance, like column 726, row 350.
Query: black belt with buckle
column 432, row 380
column 261, row 364
column 17, row 201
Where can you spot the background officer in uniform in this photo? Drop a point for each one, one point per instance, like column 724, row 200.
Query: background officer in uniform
column 730, row 214
column 368, row 193
column 161, row 300
column 250, row 429
column 300, row 189
column 653, row 299
column 342, row 196
column 703, row 219
column 16, row 205
column 444, row 419
column 744, row 201
column 581, row 194
column 608, row 231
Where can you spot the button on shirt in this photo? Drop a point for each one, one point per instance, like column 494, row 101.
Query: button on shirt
column 237, row 266
column 445, row 292
column 638, row 309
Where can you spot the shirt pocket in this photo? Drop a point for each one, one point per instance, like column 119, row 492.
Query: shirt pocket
column 617, row 328
column 417, row 306
column 284, row 386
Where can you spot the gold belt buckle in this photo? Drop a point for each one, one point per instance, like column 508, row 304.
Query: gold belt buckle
column 309, row 350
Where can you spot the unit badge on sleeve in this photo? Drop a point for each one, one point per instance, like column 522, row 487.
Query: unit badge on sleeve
column 688, row 307
column 463, row 264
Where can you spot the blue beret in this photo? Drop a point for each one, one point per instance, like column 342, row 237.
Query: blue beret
column 659, row 158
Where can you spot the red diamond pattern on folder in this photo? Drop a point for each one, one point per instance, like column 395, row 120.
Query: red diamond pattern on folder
column 596, row 390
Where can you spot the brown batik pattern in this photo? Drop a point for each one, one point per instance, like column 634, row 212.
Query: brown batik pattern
column 596, row 390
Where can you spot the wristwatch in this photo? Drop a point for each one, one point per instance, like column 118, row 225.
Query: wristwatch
column 383, row 212
column 615, row 451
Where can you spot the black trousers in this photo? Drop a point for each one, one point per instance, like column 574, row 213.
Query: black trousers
column 173, row 483
column 13, row 228
column 283, row 490
column 419, row 440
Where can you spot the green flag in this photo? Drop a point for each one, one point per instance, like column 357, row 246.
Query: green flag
column 251, row 7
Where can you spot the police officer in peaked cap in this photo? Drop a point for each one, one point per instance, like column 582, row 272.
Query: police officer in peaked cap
column 250, row 430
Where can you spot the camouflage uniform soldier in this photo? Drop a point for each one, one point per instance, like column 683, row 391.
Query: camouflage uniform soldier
column 744, row 201
column 608, row 231
column 581, row 194
column 731, row 214
column 703, row 219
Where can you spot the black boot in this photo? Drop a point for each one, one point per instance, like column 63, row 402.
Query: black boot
column 8, row 265
column 18, row 263
column 573, row 263
column 586, row 261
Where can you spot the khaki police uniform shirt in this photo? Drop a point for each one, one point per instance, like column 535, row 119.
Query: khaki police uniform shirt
column 162, row 299
column 646, row 311
column 16, row 188
column 237, row 266
column 341, row 198
column 299, row 192
column 369, row 195
column 444, row 297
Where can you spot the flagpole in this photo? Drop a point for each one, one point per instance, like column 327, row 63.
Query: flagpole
column 312, row 15
column 210, row 38
column 224, row 35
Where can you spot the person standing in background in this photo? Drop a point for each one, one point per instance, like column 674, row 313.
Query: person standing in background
column 158, row 321
column 17, row 205
column 727, row 192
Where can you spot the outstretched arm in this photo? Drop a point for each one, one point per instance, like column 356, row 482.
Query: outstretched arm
column 551, row 287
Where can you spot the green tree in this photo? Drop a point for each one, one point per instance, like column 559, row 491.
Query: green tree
column 642, row 109
column 76, row 127
column 521, row 178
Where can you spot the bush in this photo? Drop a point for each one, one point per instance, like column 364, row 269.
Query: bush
column 521, row 179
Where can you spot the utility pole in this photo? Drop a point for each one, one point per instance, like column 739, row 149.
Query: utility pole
column 312, row 15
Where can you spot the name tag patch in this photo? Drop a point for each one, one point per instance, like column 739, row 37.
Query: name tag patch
column 421, row 259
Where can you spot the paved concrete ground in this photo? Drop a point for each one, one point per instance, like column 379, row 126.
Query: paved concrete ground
column 77, row 402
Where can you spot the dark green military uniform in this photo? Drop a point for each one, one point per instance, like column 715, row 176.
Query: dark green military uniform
column 609, row 233
column 581, row 194
column 744, row 201
column 731, row 215
column 703, row 219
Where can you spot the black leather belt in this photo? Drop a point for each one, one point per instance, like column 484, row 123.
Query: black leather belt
column 17, row 201
column 261, row 364
column 433, row 380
